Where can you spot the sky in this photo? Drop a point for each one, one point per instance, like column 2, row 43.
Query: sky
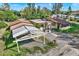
column 19, row 6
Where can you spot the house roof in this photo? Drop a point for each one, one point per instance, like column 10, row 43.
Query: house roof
column 19, row 23
column 75, row 12
column 60, row 21
column 21, row 27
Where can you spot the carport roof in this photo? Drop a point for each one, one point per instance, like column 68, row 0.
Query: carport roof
column 19, row 31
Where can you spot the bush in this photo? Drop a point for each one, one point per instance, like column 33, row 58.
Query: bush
column 77, row 20
column 42, row 39
column 51, row 44
column 48, row 46
column 36, row 49
column 3, row 25
column 37, row 25
column 8, row 39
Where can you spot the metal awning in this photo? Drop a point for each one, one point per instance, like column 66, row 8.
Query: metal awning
column 19, row 31
column 32, row 29
column 34, row 32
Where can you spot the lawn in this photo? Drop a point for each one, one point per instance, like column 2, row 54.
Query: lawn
column 74, row 29
column 12, row 51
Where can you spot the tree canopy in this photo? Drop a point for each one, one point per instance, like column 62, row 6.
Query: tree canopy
column 7, row 16
column 31, row 12
column 57, row 8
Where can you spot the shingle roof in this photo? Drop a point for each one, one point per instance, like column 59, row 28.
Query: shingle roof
column 19, row 23
column 22, row 27
column 60, row 21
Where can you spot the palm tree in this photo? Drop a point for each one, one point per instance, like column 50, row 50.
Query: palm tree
column 31, row 7
column 6, row 6
column 57, row 7
column 69, row 10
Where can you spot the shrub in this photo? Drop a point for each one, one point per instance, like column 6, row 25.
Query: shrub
column 51, row 44
column 42, row 39
column 7, row 37
column 36, row 49
column 3, row 25
column 37, row 25
column 24, row 51
column 77, row 20
column 48, row 46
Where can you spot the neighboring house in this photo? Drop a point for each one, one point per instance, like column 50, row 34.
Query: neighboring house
column 59, row 22
column 75, row 14
column 23, row 30
column 60, row 15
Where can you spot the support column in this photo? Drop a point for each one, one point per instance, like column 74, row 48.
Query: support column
column 17, row 46
column 44, row 33
column 44, row 39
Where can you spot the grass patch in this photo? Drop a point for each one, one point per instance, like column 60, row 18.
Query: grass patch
column 74, row 28
column 49, row 46
column 42, row 39
column 27, row 51
column 13, row 52
column 37, row 49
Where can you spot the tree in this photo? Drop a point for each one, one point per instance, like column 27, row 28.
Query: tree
column 3, row 25
column 6, row 6
column 2, row 16
column 31, row 12
column 38, row 9
column 31, row 7
column 10, row 16
column 69, row 10
column 17, row 13
column 45, row 12
column 57, row 7
column 7, row 16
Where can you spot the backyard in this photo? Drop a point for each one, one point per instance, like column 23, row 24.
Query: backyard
column 9, row 48
column 7, row 45
column 12, row 51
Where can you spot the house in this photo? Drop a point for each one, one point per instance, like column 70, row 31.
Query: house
column 24, row 30
column 75, row 12
column 59, row 22
column 60, row 15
